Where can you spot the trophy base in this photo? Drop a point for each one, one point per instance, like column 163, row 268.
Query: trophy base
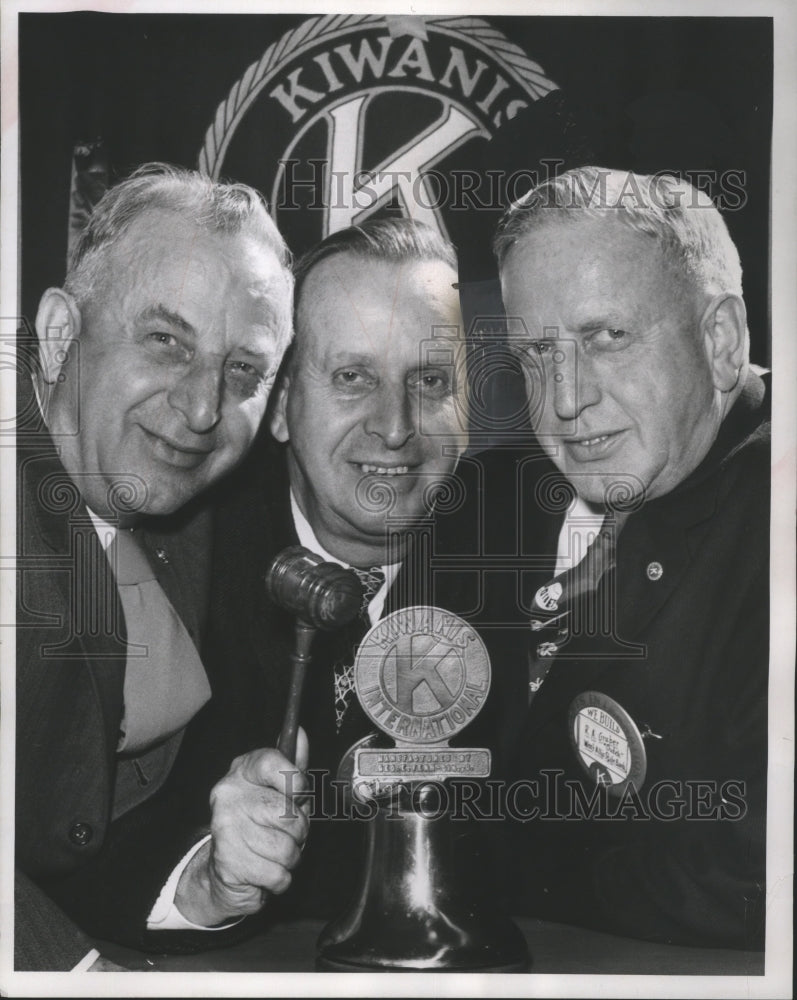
column 425, row 899
column 330, row 965
column 490, row 943
column 422, row 904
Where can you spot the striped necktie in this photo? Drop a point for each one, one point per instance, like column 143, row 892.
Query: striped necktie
column 555, row 602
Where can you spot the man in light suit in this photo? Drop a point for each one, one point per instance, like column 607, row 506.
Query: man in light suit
column 370, row 418
column 155, row 364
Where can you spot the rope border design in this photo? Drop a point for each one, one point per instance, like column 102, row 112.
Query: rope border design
column 529, row 74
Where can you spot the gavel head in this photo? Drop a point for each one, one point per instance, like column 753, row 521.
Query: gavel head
column 322, row 594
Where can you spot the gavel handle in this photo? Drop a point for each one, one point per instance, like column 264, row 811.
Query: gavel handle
column 300, row 658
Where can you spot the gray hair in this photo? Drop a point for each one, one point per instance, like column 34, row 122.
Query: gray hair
column 682, row 218
column 215, row 206
column 393, row 240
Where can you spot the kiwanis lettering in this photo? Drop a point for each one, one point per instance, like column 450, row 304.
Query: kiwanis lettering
column 350, row 66
column 422, row 674
column 421, row 621
column 361, row 112
column 425, row 728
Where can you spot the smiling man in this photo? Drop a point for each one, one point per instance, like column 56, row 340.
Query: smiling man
column 156, row 360
column 369, row 405
column 177, row 340
column 636, row 380
column 371, row 417
column 631, row 695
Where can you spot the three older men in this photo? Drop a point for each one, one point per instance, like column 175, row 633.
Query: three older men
column 626, row 617
column 157, row 358
column 630, row 624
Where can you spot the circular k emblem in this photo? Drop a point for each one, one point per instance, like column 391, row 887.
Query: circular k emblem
column 421, row 674
column 349, row 116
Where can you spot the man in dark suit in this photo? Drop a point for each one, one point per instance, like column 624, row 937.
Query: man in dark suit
column 156, row 360
column 628, row 623
column 369, row 422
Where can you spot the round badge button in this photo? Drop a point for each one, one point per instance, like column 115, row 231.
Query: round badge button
column 607, row 742
column 655, row 571
column 81, row 834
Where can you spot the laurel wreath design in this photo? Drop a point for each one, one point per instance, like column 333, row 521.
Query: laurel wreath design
column 527, row 73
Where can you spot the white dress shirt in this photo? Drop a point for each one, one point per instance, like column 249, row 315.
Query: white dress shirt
column 581, row 525
column 308, row 539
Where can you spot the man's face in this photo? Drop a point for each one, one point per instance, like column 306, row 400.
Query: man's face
column 174, row 363
column 618, row 371
column 372, row 410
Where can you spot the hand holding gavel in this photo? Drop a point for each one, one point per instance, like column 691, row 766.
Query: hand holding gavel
column 322, row 595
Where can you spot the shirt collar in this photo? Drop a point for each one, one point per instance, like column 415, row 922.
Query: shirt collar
column 105, row 530
column 307, row 538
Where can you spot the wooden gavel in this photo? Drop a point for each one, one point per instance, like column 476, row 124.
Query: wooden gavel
column 322, row 595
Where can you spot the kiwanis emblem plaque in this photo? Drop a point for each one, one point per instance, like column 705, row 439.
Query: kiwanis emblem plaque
column 346, row 116
column 421, row 675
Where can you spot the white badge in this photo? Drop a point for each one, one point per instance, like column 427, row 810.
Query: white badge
column 607, row 742
column 547, row 597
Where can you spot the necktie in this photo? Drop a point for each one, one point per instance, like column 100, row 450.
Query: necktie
column 165, row 683
column 556, row 603
column 372, row 581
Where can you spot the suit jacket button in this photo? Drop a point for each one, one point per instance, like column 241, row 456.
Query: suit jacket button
column 80, row 834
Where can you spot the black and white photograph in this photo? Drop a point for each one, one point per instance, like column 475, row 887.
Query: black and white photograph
column 398, row 475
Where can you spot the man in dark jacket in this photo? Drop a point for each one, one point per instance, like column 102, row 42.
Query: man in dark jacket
column 369, row 422
column 628, row 619
column 156, row 360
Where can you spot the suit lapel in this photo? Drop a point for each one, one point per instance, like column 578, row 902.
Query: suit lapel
column 273, row 628
column 69, row 542
column 653, row 556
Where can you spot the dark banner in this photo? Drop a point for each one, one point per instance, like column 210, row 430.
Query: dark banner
column 337, row 118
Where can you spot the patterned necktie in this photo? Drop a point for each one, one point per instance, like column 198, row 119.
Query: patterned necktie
column 554, row 603
column 372, row 581
column 165, row 682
